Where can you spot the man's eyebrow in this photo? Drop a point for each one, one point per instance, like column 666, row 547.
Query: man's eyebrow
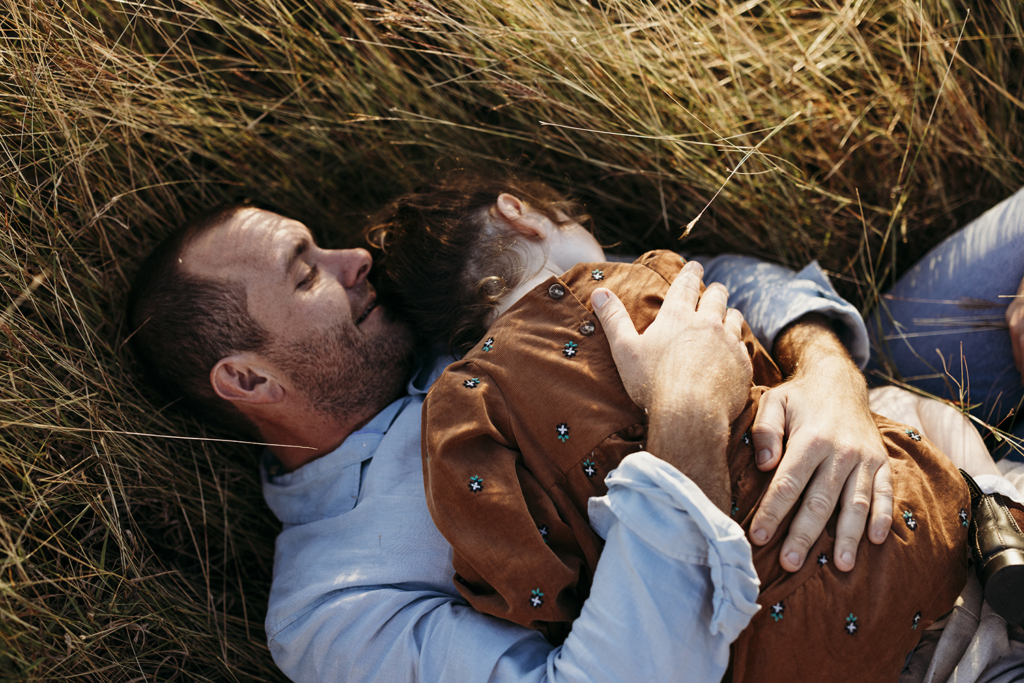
column 300, row 248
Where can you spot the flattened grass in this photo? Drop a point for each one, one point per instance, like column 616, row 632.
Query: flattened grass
column 866, row 131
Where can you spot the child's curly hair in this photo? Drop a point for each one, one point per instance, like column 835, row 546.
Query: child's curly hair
column 444, row 258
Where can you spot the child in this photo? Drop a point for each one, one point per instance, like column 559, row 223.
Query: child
column 520, row 433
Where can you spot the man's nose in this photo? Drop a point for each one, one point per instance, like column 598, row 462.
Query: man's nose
column 353, row 266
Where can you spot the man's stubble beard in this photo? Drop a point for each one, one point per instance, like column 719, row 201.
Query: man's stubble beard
column 345, row 373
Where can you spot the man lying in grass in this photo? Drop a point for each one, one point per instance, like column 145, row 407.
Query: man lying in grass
column 243, row 315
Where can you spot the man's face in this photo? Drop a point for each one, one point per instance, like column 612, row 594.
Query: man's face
column 331, row 340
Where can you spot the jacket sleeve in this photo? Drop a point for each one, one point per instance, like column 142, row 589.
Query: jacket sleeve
column 486, row 503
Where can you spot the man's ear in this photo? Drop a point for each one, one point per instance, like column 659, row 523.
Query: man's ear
column 529, row 223
column 243, row 377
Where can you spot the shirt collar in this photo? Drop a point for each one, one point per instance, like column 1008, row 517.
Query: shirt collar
column 289, row 494
column 428, row 368
column 301, row 496
column 358, row 446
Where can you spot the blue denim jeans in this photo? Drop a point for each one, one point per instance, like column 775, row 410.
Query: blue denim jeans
column 942, row 326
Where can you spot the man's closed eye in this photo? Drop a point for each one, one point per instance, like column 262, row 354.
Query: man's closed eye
column 309, row 279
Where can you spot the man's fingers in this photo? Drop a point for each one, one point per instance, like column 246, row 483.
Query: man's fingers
column 782, row 495
column 714, row 302
column 769, row 426
column 881, row 504
column 853, row 516
column 734, row 323
column 819, row 500
column 685, row 290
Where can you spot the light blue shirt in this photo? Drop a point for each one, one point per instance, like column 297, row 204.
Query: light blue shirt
column 363, row 590
column 363, row 586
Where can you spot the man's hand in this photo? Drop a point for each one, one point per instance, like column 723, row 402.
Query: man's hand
column 1015, row 319
column 833, row 443
column 689, row 370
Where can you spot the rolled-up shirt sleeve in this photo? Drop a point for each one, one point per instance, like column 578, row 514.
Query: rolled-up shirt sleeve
column 658, row 504
column 771, row 297
column 676, row 581
column 674, row 586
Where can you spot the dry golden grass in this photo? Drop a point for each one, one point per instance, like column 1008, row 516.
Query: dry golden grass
column 868, row 129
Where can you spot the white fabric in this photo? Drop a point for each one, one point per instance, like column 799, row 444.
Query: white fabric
column 991, row 483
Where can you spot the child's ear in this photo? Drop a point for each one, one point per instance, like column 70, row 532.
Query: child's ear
column 527, row 222
column 510, row 206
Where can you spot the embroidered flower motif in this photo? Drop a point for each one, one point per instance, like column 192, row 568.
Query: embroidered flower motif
column 851, row 624
column 588, row 468
column 570, row 349
column 543, row 533
column 822, row 559
column 777, row 610
column 746, row 438
column 735, row 509
column 908, row 517
column 912, row 434
column 963, row 517
column 536, row 598
column 476, row 484
column 472, row 383
column 917, row 619
column 597, row 274
column 488, row 344
column 563, row 432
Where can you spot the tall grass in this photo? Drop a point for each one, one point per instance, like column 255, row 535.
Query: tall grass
column 134, row 544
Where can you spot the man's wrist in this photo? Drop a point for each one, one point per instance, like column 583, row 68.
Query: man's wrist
column 809, row 351
column 811, row 343
column 692, row 437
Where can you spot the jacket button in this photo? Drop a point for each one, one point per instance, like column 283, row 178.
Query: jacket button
column 556, row 291
column 587, row 328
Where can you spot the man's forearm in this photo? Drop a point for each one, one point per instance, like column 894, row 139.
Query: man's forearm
column 810, row 347
column 772, row 297
column 689, row 370
column 692, row 438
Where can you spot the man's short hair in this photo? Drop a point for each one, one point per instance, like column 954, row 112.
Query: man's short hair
column 181, row 325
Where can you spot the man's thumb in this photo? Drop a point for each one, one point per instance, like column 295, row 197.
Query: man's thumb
column 768, row 429
column 622, row 339
column 618, row 327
